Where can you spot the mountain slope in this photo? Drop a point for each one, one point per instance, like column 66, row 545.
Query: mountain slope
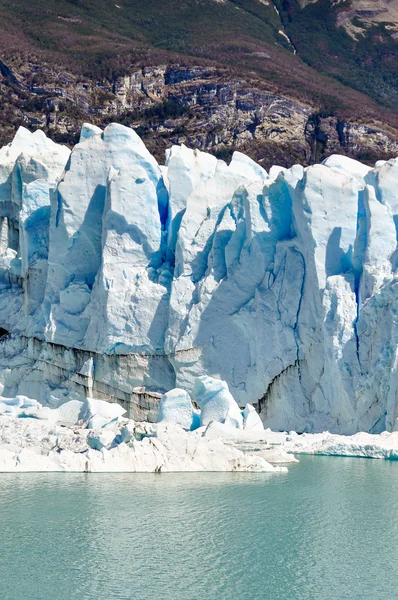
column 351, row 41
column 66, row 62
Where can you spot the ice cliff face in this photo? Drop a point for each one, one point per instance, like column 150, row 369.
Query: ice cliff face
column 123, row 279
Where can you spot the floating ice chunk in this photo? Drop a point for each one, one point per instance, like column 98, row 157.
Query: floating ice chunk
column 126, row 434
column 176, row 407
column 251, row 419
column 98, row 422
column 277, row 455
column 25, row 402
column 67, row 414
column 107, row 410
column 216, row 402
column 365, row 445
column 22, row 406
column 231, row 421
column 43, row 413
column 100, row 439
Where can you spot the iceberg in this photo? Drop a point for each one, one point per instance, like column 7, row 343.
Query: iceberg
column 107, row 410
column 360, row 445
column 68, row 414
column 251, row 419
column 176, row 407
column 216, row 402
column 122, row 279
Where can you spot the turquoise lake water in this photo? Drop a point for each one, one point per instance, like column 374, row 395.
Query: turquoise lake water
column 327, row 530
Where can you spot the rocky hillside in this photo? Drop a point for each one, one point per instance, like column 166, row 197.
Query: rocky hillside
column 218, row 75
column 358, row 15
column 354, row 41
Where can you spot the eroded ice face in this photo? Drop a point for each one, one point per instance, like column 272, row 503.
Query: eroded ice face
column 283, row 285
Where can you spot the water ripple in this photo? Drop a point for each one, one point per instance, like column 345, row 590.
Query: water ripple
column 326, row 531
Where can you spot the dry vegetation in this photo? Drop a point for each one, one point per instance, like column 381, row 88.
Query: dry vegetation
column 94, row 40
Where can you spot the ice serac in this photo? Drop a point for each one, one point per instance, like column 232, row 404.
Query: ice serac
column 216, row 402
column 251, row 419
column 29, row 168
column 185, row 169
column 129, row 299
column 89, row 230
column 121, row 279
column 176, row 407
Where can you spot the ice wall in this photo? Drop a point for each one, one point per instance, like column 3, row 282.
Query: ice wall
column 123, row 279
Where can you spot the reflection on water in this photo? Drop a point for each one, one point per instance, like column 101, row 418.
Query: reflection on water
column 328, row 530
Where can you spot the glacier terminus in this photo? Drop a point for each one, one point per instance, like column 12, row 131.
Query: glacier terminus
column 122, row 279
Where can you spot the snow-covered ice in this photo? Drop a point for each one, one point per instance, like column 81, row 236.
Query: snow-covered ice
column 176, row 407
column 32, row 441
column 124, row 279
column 216, row 402
column 251, row 419
column 95, row 437
column 361, row 445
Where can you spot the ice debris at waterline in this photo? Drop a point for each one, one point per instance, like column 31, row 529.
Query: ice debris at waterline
column 359, row 445
column 122, row 279
column 216, row 404
column 35, row 438
column 94, row 436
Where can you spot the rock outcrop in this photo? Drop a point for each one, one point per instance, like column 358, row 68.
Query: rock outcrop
column 204, row 107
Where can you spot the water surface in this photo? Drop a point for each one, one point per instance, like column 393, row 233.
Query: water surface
column 327, row 530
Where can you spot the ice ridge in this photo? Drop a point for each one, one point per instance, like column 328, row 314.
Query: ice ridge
column 126, row 279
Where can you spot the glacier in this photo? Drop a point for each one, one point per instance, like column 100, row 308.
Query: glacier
column 122, row 279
